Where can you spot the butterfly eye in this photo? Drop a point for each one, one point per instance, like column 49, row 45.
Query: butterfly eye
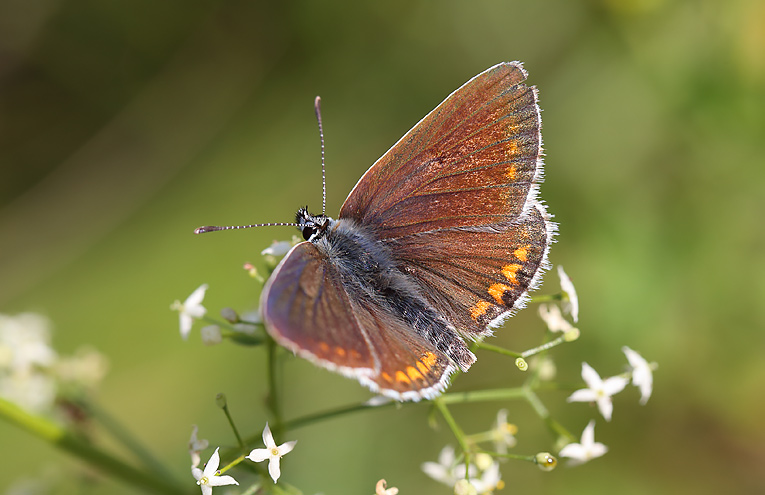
column 308, row 231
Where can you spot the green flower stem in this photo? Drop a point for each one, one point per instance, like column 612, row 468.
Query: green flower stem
column 231, row 464
column 456, row 430
column 58, row 436
column 520, row 457
column 543, row 413
column 234, row 429
column 274, row 402
column 483, row 395
column 543, row 347
column 546, row 298
column 127, row 439
column 499, row 350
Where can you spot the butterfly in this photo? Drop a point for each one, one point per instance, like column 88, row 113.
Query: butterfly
column 439, row 241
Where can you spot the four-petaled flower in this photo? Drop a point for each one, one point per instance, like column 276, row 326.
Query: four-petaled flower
column 190, row 309
column 272, row 453
column 642, row 374
column 571, row 303
column 207, row 479
column 599, row 390
column 587, row 449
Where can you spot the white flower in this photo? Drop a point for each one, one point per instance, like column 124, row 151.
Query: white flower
column 380, row 489
column 446, row 470
column 277, row 248
column 490, row 480
column 599, row 390
column 571, row 303
column 642, row 374
column 272, row 453
column 553, row 318
column 587, row 449
column 207, row 479
column 503, row 433
column 25, row 343
column 196, row 447
column 34, row 392
column 190, row 309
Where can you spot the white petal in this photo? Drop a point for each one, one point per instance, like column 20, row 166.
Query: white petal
column 273, row 468
column 221, row 480
column 277, row 248
column 196, row 473
column 614, row 384
column 597, row 449
column 588, row 435
column 259, row 455
column 572, row 305
column 583, row 395
column 446, row 456
column 286, row 447
column 573, row 451
column 438, row 472
column 206, row 489
column 606, row 407
column 590, row 376
column 185, row 321
column 196, row 297
column 268, row 438
column 212, row 464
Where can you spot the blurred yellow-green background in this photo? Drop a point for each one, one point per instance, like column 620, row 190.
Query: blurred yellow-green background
column 125, row 125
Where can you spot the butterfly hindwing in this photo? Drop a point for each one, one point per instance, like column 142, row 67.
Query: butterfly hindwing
column 307, row 309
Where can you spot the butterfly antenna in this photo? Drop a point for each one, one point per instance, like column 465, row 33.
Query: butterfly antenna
column 317, row 108
column 214, row 228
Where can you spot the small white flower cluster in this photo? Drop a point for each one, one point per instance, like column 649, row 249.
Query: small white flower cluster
column 598, row 390
column 32, row 373
column 210, row 477
column 483, row 477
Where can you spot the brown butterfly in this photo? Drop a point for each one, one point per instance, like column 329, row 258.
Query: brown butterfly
column 438, row 242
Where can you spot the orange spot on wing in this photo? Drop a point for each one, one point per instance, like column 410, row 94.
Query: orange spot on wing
column 386, row 377
column 413, row 373
column 324, row 347
column 510, row 272
column 479, row 309
column 340, row 351
column 401, row 377
column 497, row 291
column 522, row 253
column 429, row 359
column 423, row 369
column 512, row 173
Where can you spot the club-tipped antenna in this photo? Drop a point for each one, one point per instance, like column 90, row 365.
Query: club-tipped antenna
column 317, row 107
column 215, row 228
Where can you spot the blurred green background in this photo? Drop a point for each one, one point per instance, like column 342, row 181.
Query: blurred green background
column 125, row 125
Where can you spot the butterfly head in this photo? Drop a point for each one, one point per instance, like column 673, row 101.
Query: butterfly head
column 313, row 227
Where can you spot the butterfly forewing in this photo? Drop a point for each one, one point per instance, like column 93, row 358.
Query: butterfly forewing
column 471, row 161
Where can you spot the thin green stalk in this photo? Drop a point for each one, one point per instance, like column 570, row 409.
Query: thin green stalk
column 458, row 433
column 58, row 436
column 274, row 402
column 498, row 350
column 483, row 395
